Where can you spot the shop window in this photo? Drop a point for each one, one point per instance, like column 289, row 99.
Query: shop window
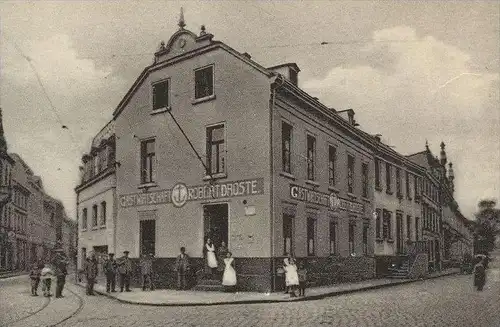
column 148, row 236
column 148, row 167
column 378, row 223
column 204, row 82
column 161, row 95
column 311, row 236
column 94, row 215
column 103, row 213
column 350, row 174
column 287, row 234
column 286, row 144
column 364, row 175
column 366, row 229
column 311, row 156
column 388, row 178
column 216, row 149
column 332, row 162
column 351, row 238
column 84, row 219
column 333, row 237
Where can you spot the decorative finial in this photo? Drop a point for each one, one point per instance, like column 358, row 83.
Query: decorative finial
column 442, row 145
column 182, row 24
column 162, row 45
column 203, row 32
column 442, row 155
column 426, row 145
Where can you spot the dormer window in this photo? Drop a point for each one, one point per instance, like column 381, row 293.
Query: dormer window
column 161, row 95
column 294, row 77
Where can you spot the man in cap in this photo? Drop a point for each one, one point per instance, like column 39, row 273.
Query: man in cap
column 125, row 269
column 91, row 272
column 60, row 263
column 147, row 271
column 110, row 268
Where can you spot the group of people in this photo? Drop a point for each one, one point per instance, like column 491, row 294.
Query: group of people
column 55, row 269
column 111, row 268
column 295, row 277
column 223, row 261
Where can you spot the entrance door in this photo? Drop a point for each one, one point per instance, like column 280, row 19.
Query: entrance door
column 215, row 221
column 399, row 233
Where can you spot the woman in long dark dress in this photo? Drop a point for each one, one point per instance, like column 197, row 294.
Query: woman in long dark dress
column 479, row 275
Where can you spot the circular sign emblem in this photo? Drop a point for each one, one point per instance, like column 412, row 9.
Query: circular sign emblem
column 179, row 195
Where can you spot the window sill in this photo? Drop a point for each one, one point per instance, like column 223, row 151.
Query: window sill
column 215, row 176
column 95, row 228
column 287, row 175
column 102, row 227
column 147, row 185
column 389, row 192
column 83, row 230
column 390, row 240
column 204, row 99
column 365, row 199
column 379, row 188
column 352, row 195
column 333, row 189
column 379, row 240
column 310, row 182
column 160, row 110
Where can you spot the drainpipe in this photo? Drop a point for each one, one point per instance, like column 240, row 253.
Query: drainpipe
column 278, row 82
column 77, row 237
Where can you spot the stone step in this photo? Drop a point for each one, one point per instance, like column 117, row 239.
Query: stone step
column 209, row 288
column 209, row 282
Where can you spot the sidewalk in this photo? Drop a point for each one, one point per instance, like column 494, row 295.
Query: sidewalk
column 193, row 298
column 8, row 274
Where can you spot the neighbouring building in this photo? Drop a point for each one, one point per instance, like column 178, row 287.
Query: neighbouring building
column 7, row 239
column 398, row 227
column 96, row 197
column 210, row 144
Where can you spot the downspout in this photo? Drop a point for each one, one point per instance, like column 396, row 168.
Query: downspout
column 274, row 87
column 76, row 260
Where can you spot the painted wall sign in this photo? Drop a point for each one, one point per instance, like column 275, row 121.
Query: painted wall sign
column 181, row 193
column 331, row 201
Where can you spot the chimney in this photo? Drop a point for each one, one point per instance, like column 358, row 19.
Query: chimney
column 289, row 70
column 246, row 54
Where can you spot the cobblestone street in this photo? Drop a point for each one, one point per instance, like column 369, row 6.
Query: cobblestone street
column 447, row 301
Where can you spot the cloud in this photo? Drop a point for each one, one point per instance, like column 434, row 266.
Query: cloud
column 82, row 94
column 410, row 88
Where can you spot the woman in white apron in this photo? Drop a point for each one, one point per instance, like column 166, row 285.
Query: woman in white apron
column 210, row 255
column 229, row 276
column 291, row 276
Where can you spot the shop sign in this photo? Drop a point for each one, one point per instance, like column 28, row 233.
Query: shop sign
column 331, row 201
column 181, row 193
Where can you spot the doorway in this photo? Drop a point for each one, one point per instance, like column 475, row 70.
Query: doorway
column 216, row 223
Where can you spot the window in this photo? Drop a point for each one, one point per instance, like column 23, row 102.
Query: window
column 311, row 155
column 387, row 228
column 148, row 236
column 148, row 161
column 378, row 223
column 398, row 183
column 311, row 231
column 204, row 82
column 103, row 154
column 286, row 143
column 408, row 190
column 160, row 95
column 293, row 77
column 287, row 234
column 332, row 160
column 366, row 228
column 84, row 219
column 417, row 223
column 351, row 237
column 408, row 227
column 103, row 213
column 364, row 174
column 350, row 174
column 215, row 149
column 388, row 177
column 97, row 164
column 94, row 215
column 52, row 219
column 333, row 237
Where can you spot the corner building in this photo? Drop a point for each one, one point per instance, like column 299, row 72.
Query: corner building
column 211, row 144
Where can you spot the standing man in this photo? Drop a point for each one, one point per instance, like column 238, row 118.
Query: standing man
column 91, row 273
column 182, row 267
column 125, row 269
column 147, row 271
column 60, row 263
column 110, row 268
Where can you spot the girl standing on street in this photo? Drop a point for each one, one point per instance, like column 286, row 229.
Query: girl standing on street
column 291, row 276
column 229, row 276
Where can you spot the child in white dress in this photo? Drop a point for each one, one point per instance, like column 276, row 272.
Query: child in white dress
column 210, row 255
column 291, row 276
column 229, row 276
column 46, row 276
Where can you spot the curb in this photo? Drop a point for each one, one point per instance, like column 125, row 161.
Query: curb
column 14, row 274
column 297, row 299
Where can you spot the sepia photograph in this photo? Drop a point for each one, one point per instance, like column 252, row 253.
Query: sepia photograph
column 250, row 163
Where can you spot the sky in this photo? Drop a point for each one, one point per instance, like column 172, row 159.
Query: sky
column 412, row 71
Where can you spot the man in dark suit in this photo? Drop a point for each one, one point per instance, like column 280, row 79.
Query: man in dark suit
column 110, row 269
column 125, row 270
column 182, row 267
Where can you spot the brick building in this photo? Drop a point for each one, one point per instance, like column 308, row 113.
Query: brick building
column 279, row 172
